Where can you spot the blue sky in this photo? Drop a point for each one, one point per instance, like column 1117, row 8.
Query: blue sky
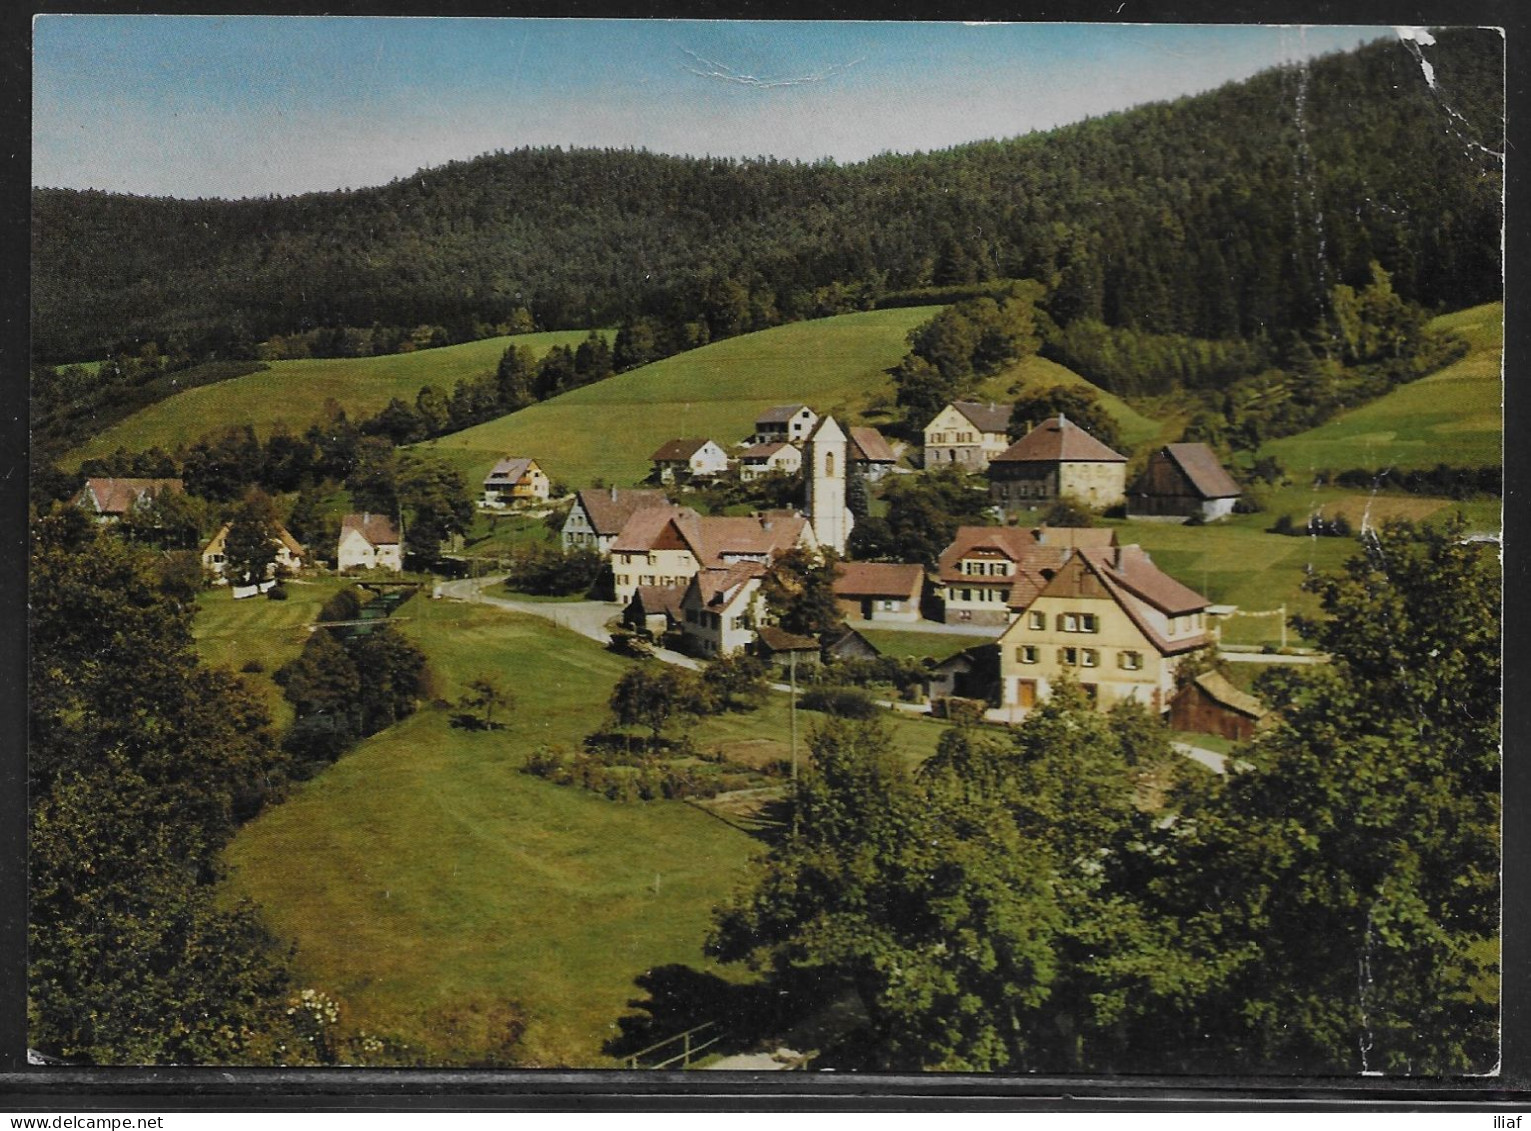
column 252, row 105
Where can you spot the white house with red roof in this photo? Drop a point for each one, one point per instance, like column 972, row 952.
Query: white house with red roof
column 109, row 499
column 879, row 591
column 785, row 423
column 1106, row 617
column 1057, row 460
column 692, row 457
column 721, row 609
column 290, row 554
column 775, row 455
column 369, row 541
column 968, row 434
column 599, row 513
column 984, row 568
column 670, row 545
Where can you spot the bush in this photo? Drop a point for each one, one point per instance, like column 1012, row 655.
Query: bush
column 253, row 667
column 277, row 593
column 345, row 605
column 842, row 702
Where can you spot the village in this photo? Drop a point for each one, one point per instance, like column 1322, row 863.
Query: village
column 1032, row 604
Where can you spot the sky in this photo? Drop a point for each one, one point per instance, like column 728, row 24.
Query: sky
column 235, row 106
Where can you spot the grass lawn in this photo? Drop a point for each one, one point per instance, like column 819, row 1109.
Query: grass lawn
column 1452, row 417
column 230, row 633
column 424, row 877
column 608, row 430
column 295, row 392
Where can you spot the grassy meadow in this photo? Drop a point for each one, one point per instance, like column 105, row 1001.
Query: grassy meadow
column 1454, row 416
column 1039, row 373
column 295, row 392
column 608, row 430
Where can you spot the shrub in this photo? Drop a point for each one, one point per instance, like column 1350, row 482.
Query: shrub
column 253, row 667
column 842, row 702
column 277, row 592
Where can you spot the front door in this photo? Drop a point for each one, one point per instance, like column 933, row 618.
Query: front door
column 1026, row 693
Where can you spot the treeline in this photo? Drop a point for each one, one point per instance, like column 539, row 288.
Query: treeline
column 1215, row 217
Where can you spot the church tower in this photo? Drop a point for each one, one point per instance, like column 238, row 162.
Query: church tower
column 827, row 457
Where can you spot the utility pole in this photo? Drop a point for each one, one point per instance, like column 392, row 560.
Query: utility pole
column 792, row 713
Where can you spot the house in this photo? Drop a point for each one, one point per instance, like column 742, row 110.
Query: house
column 1209, row 704
column 968, row 434
column 289, row 554
column 598, row 515
column 688, row 458
column 369, row 541
column 778, row 647
column 654, row 610
column 1184, row 479
column 515, row 479
column 787, row 423
column 1105, row 616
column 870, row 453
column 721, row 608
column 979, row 572
column 851, row 645
column 774, row 455
column 108, row 499
column 1057, row 460
column 669, row 545
column 972, row 673
column 879, row 590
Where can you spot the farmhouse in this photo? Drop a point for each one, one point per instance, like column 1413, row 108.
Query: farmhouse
column 289, row 554
column 721, row 608
column 598, row 515
column 968, row 434
column 774, row 455
column 777, row 646
column 688, row 458
column 870, row 453
column 369, row 541
column 670, row 545
column 980, row 569
column 108, row 500
column 1106, row 616
column 786, row 424
column 1209, row 704
column 1056, row 460
column 879, row 590
column 1184, row 479
column 515, row 479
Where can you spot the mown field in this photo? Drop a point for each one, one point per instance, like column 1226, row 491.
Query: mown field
column 295, row 392
column 425, row 879
column 1040, row 373
column 1454, row 416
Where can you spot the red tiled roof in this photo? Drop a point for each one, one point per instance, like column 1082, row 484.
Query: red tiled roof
column 764, row 451
column 655, row 599
column 711, row 539
column 1011, row 542
column 1201, row 467
column 719, row 585
column 868, row 445
column 609, row 508
column 118, row 496
column 879, row 579
column 644, row 527
column 989, row 417
column 1219, row 690
column 1132, row 566
column 1056, row 440
column 1077, row 536
column 680, row 449
column 377, row 529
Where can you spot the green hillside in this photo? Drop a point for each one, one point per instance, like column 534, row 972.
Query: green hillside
column 1454, row 417
column 296, row 392
column 838, row 365
column 610, row 429
column 1038, row 372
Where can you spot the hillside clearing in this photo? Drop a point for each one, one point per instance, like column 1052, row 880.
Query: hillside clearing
column 295, row 392
column 1453, row 417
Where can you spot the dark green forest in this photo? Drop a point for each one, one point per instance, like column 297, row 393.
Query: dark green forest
column 1228, row 215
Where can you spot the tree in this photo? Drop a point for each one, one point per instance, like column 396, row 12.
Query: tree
column 373, row 482
column 924, row 512
column 515, row 377
column 485, row 693
column 249, row 548
column 135, row 786
column 652, row 694
column 799, row 591
column 736, row 682
column 435, row 501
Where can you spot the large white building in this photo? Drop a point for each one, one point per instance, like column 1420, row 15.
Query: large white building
column 826, row 464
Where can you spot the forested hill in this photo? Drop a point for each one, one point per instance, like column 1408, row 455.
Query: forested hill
column 1226, row 214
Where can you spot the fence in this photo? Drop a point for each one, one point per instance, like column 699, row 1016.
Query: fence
column 691, row 1044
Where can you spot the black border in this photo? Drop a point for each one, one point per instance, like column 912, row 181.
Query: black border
column 25, row 1087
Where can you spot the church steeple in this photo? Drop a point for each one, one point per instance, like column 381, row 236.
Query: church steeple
column 828, row 463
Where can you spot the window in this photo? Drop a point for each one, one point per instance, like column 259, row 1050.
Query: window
column 1068, row 622
column 646, row 579
column 1131, row 661
column 1069, row 656
column 1089, row 622
column 829, row 465
column 1037, row 621
column 965, row 594
column 1089, row 658
column 1026, row 654
column 889, row 606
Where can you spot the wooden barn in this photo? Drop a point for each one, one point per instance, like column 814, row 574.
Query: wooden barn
column 1209, row 704
column 1184, row 479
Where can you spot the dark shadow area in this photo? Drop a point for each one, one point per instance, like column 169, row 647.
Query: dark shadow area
column 681, row 998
